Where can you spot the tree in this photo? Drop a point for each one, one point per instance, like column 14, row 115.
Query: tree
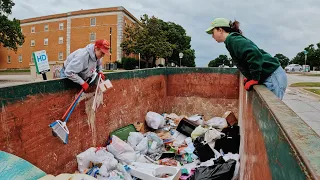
column 313, row 56
column 284, row 61
column 188, row 58
column 10, row 30
column 222, row 59
column 156, row 38
column 148, row 39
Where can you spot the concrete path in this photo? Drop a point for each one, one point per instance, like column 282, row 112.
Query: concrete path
column 304, row 103
column 11, row 80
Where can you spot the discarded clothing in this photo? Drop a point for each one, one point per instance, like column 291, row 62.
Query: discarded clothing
column 230, row 142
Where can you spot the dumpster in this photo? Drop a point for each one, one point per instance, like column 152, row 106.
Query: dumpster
column 275, row 142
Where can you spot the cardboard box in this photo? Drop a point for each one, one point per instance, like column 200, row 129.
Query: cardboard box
column 231, row 118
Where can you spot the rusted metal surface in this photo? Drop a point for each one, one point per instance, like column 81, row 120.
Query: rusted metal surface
column 303, row 141
column 253, row 154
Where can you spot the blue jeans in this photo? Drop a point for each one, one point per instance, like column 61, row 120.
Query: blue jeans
column 277, row 82
column 62, row 75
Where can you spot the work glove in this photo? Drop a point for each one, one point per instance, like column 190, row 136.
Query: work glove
column 85, row 86
column 102, row 76
column 248, row 85
column 245, row 80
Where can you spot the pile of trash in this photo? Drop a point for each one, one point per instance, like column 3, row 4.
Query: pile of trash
column 176, row 147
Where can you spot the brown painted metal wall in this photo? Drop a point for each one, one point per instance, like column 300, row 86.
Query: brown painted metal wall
column 24, row 127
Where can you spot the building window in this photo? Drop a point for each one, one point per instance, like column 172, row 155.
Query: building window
column 33, row 43
column 60, row 26
column 46, row 41
column 92, row 21
column 60, row 40
column 9, row 59
column 125, row 23
column 46, row 27
column 20, row 58
column 60, row 56
column 33, row 29
column 92, row 37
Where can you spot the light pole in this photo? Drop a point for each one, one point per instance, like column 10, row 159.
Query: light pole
column 305, row 57
column 139, row 60
column 180, row 56
column 110, row 48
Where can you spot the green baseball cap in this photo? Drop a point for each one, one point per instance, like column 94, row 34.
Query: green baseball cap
column 218, row 22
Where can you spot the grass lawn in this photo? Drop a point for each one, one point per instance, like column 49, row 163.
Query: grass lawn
column 316, row 91
column 306, row 84
column 310, row 74
column 14, row 71
column 107, row 70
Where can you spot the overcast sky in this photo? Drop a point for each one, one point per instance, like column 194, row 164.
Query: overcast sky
column 277, row 26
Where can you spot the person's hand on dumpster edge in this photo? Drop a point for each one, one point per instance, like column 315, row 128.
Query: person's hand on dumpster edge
column 102, row 76
column 248, row 85
column 85, row 86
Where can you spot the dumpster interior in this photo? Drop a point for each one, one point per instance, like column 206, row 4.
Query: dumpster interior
column 165, row 123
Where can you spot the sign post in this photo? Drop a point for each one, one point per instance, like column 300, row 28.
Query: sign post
column 42, row 63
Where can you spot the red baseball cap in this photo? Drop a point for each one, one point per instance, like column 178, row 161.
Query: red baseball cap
column 104, row 45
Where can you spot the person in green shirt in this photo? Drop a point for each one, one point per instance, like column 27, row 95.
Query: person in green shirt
column 258, row 66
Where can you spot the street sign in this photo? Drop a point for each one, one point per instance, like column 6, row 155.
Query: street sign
column 305, row 52
column 41, row 61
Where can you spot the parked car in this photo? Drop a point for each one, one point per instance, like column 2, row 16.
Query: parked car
column 293, row 68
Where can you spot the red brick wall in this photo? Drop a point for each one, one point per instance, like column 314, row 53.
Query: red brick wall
column 24, row 127
column 81, row 29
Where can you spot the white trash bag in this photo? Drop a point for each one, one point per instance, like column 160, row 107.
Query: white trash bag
column 155, row 120
column 142, row 147
column 134, row 139
column 121, row 150
column 217, row 122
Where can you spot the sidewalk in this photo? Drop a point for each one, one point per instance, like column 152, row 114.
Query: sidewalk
column 306, row 105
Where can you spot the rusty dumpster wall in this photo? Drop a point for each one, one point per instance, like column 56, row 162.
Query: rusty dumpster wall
column 208, row 92
column 27, row 110
column 275, row 143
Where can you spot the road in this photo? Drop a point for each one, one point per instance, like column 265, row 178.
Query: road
column 305, row 104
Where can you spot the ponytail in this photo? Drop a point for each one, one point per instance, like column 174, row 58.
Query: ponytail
column 234, row 27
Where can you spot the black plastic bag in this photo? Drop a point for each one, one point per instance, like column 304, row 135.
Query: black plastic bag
column 222, row 171
column 203, row 151
column 230, row 142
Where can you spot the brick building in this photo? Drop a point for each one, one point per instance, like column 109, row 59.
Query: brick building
column 61, row 34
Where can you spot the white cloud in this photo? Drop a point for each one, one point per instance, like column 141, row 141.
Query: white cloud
column 276, row 26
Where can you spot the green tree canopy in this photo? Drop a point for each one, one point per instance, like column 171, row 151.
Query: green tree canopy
column 10, row 30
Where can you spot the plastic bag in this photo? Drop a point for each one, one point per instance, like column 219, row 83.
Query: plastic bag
column 236, row 157
column 155, row 143
column 95, row 156
column 198, row 119
column 212, row 134
column 134, row 139
column 142, row 147
column 218, row 171
column 155, row 120
column 121, row 150
column 197, row 132
column 217, row 122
